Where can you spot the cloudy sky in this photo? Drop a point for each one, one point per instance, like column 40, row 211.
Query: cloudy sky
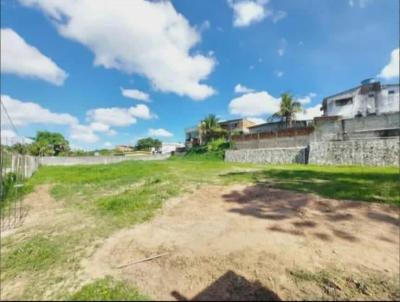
column 109, row 72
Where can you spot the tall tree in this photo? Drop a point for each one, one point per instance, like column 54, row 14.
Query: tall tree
column 288, row 109
column 49, row 143
column 210, row 128
column 148, row 143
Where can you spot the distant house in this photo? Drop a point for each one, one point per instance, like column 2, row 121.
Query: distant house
column 193, row 137
column 238, row 125
column 170, row 147
column 370, row 98
column 124, row 148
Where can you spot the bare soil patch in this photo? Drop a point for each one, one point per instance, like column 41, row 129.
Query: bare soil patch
column 257, row 242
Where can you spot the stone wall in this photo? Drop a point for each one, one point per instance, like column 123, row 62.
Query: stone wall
column 368, row 152
column 94, row 160
column 268, row 156
column 278, row 142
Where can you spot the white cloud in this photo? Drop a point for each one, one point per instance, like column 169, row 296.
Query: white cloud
column 279, row 73
column 142, row 37
column 102, row 119
column 107, row 145
column 9, row 138
column 205, row 26
column 141, row 111
column 306, row 99
column 159, row 132
column 99, row 127
column 279, row 15
column 247, row 12
column 24, row 113
column 256, row 120
column 360, row 3
column 239, row 88
column 391, row 70
column 254, row 104
column 22, row 59
column 282, row 47
column 135, row 94
column 83, row 133
column 119, row 117
column 281, row 52
column 309, row 113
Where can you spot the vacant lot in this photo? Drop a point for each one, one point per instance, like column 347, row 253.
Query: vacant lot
column 230, row 231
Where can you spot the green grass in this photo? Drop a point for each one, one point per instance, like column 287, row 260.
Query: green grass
column 108, row 289
column 37, row 253
column 101, row 199
column 351, row 183
column 174, row 175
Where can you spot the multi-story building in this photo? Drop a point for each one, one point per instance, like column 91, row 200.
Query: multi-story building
column 237, row 126
column 370, row 98
column 193, row 134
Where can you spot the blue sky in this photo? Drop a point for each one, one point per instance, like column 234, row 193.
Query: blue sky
column 64, row 64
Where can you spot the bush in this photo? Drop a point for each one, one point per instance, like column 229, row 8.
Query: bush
column 214, row 150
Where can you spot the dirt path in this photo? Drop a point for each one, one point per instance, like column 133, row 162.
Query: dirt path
column 247, row 242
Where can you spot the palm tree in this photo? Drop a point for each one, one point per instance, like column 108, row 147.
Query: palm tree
column 210, row 128
column 288, row 109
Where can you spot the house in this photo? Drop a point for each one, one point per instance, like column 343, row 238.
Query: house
column 274, row 126
column 170, row 147
column 124, row 148
column 193, row 135
column 237, row 126
column 370, row 98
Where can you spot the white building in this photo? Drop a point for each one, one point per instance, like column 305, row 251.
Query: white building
column 170, row 147
column 370, row 98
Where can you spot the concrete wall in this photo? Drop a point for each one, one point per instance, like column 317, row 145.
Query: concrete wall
column 277, row 142
column 369, row 152
column 268, row 156
column 94, row 160
column 22, row 165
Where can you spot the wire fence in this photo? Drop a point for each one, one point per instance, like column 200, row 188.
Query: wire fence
column 15, row 168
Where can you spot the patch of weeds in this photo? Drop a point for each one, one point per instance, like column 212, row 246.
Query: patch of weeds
column 339, row 285
column 137, row 204
column 36, row 254
column 108, row 289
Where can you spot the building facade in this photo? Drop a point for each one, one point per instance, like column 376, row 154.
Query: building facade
column 274, row 126
column 370, row 98
column 170, row 147
column 193, row 134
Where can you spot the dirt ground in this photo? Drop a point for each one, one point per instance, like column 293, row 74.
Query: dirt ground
column 256, row 242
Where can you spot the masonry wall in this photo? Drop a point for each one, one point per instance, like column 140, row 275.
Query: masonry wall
column 268, row 155
column 278, row 142
column 368, row 152
column 94, row 160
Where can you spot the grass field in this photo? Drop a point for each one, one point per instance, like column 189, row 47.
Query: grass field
column 101, row 199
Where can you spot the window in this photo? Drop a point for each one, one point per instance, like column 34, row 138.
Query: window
column 344, row 102
column 371, row 95
column 391, row 92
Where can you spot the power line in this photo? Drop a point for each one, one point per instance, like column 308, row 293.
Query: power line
column 9, row 118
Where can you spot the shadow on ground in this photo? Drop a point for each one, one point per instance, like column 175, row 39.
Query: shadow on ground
column 367, row 186
column 232, row 287
column 304, row 214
